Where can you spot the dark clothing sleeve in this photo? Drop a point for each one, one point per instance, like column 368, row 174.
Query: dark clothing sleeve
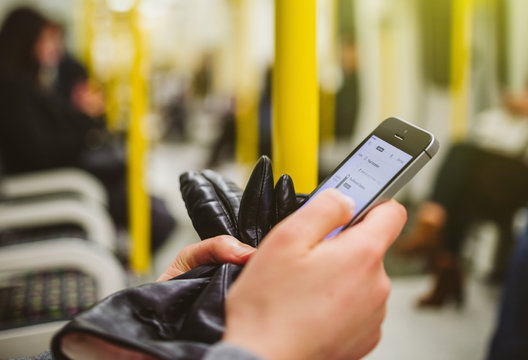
column 511, row 336
column 226, row 351
column 219, row 351
column 46, row 355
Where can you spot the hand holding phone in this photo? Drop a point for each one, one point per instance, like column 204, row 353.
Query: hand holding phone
column 385, row 161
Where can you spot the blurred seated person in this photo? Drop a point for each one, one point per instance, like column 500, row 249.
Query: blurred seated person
column 224, row 146
column 50, row 121
column 347, row 97
column 484, row 179
column 202, row 80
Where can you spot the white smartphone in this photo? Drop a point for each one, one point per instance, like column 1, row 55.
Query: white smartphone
column 385, row 161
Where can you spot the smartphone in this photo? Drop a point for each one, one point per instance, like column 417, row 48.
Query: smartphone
column 381, row 165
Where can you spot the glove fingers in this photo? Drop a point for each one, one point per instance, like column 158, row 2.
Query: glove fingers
column 228, row 193
column 212, row 203
column 256, row 207
column 285, row 198
column 301, row 199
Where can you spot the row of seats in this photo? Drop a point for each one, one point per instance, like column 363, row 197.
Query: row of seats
column 57, row 257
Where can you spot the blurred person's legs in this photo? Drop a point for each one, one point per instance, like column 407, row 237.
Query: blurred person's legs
column 162, row 222
column 425, row 235
column 511, row 337
column 224, row 147
column 441, row 217
column 473, row 184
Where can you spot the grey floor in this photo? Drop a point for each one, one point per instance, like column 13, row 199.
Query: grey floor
column 408, row 333
column 443, row 334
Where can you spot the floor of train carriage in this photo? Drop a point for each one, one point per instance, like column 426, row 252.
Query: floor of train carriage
column 408, row 333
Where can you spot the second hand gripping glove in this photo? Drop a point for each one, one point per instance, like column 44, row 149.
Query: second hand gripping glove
column 180, row 318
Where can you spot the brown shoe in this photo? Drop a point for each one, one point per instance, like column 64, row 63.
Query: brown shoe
column 448, row 284
column 424, row 237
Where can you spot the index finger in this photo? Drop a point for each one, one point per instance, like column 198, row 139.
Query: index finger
column 382, row 224
column 309, row 225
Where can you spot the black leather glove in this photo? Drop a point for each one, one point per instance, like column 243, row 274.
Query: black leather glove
column 176, row 319
column 217, row 206
column 212, row 203
column 180, row 318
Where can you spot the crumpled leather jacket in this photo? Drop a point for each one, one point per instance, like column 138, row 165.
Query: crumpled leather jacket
column 180, row 318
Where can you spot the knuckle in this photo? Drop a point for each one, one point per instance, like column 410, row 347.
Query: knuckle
column 287, row 230
column 188, row 250
column 371, row 253
column 376, row 337
column 372, row 340
column 375, row 251
column 208, row 250
column 208, row 244
column 220, row 242
column 383, row 313
column 385, row 287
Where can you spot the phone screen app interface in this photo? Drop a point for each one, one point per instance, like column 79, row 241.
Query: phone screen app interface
column 366, row 172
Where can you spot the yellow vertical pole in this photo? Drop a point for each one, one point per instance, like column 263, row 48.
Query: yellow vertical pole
column 327, row 114
column 137, row 143
column 245, row 88
column 516, row 44
column 295, row 94
column 459, row 66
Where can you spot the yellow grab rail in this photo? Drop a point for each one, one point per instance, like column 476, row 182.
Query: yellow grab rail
column 137, row 149
column 459, row 66
column 295, row 95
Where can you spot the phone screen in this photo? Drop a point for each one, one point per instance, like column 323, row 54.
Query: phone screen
column 366, row 172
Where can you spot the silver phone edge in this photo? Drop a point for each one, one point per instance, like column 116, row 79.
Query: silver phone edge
column 403, row 178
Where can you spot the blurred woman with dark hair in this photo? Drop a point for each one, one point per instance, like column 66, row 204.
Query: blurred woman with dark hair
column 35, row 131
column 42, row 128
column 19, row 34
